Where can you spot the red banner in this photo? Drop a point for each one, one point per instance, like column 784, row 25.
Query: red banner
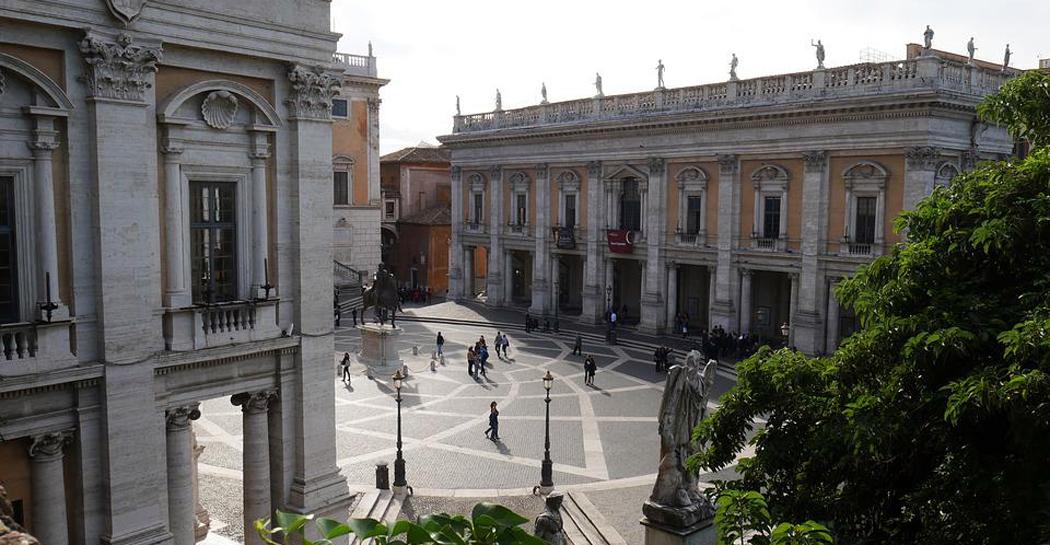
column 619, row 241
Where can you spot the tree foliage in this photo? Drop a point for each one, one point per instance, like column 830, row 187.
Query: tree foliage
column 932, row 424
column 490, row 524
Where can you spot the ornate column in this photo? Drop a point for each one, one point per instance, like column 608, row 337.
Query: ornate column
column 256, row 459
column 456, row 269
column 653, row 312
column 49, row 487
column 593, row 278
column 181, row 505
column 309, row 466
column 832, row 341
column 806, row 325
column 495, row 278
column 260, row 153
column 43, row 146
column 541, row 262
column 672, row 294
column 723, row 307
column 793, row 309
column 921, row 166
column 745, row 301
column 178, row 293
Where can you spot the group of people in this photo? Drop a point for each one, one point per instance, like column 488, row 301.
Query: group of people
column 718, row 344
column 532, row 324
column 477, row 358
column 418, row 294
column 681, row 324
column 663, row 358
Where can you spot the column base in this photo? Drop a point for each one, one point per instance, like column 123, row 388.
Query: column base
column 702, row 533
column 652, row 314
column 593, row 307
column 807, row 328
column 326, row 494
column 723, row 314
column 150, row 536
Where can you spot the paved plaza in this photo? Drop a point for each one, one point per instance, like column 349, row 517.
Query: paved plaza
column 604, row 438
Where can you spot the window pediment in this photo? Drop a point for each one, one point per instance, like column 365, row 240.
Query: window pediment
column 946, row 171
column 569, row 181
column 626, row 171
column 865, row 173
column 476, row 181
column 770, row 177
column 519, row 181
column 692, row 179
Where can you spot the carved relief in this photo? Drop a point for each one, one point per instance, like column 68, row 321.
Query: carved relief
column 476, row 181
column 519, row 181
column 865, row 170
column 594, row 168
column 219, row 109
column 542, row 170
column 126, row 10
column 496, row 171
column 456, row 171
column 568, row 180
column 120, row 70
column 770, row 173
column 815, row 160
column 923, row 158
column 50, row 445
column 312, row 92
column 946, row 172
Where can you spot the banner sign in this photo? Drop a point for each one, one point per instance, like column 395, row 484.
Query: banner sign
column 619, row 241
column 566, row 237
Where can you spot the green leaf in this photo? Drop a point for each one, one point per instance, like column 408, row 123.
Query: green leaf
column 331, row 528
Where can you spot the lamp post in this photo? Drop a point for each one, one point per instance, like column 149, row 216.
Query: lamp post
column 547, row 469
column 399, row 462
column 608, row 298
column 785, row 331
column 557, row 300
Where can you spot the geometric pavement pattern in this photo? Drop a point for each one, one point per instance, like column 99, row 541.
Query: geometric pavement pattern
column 602, row 438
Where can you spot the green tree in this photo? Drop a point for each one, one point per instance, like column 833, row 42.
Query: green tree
column 932, row 424
column 490, row 524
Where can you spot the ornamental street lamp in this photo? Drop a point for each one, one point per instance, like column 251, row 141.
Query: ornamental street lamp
column 547, row 469
column 399, row 462
column 785, row 331
column 608, row 298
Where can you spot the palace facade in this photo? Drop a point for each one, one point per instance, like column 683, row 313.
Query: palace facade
column 741, row 204
column 165, row 238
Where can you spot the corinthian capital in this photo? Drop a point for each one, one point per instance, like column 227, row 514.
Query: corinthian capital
column 49, row 445
column 495, row 172
column 594, row 168
column 657, row 165
column 923, row 158
column 254, row 401
column 456, row 172
column 542, row 170
column 815, row 160
column 312, row 91
column 728, row 163
column 179, row 418
column 118, row 68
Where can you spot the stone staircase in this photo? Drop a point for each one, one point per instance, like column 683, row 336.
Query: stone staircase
column 349, row 287
column 381, row 505
column 584, row 524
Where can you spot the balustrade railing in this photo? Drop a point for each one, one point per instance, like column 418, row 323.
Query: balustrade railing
column 360, row 64
column 800, row 86
column 766, row 244
column 227, row 318
column 18, row 341
column 859, row 249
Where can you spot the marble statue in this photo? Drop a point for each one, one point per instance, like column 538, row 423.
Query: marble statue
column 370, row 48
column 676, row 499
column 457, row 106
column 927, row 38
column 1006, row 58
column 970, row 49
column 499, row 101
column 598, row 83
column 820, row 53
column 660, row 74
column 543, row 93
column 548, row 523
column 732, row 68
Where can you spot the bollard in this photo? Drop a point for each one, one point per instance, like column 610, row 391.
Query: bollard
column 382, row 476
column 442, row 359
column 433, row 365
column 415, row 350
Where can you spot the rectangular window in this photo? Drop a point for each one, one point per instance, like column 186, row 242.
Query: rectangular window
column 340, row 108
column 389, row 210
column 213, row 235
column 8, row 262
column 522, row 209
column 479, row 207
column 865, row 226
column 570, row 211
column 692, row 215
column 342, row 187
column 771, row 218
column 630, row 207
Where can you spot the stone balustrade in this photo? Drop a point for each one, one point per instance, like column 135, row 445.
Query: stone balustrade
column 361, row 65
column 29, row 348
column 224, row 324
column 923, row 73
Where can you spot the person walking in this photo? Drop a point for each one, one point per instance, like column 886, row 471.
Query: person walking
column 493, row 431
column 577, row 347
column 470, row 361
column 498, row 342
column 589, row 369
column 440, row 344
column 506, row 345
column 346, row 367
column 353, row 313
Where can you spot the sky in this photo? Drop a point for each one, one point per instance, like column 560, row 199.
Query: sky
column 432, row 51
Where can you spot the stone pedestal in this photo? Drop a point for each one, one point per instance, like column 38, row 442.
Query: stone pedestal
column 379, row 348
column 702, row 533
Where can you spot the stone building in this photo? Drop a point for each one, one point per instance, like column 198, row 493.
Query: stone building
column 166, row 229
column 741, row 203
column 416, row 213
column 355, row 162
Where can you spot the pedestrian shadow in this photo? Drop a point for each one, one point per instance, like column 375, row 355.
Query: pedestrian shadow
column 502, row 448
column 600, row 390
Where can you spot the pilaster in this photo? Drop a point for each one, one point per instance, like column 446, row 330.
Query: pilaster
column 49, row 488
column 181, row 505
column 494, row 274
column 920, row 171
column 256, row 460
column 805, row 319
column 457, row 266
column 593, row 284
column 653, row 312
column 723, row 307
column 541, row 262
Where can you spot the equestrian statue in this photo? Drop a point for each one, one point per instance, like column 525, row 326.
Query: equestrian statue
column 382, row 295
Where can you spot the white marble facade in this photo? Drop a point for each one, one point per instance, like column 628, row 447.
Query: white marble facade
column 110, row 113
column 829, row 145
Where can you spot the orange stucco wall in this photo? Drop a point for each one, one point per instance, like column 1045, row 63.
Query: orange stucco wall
column 15, row 474
column 350, row 138
column 48, row 61
column 793, row 209
column 894, row 202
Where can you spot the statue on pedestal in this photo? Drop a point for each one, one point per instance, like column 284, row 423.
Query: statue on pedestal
column 660, row 74
column 499, row 101
column 732, row 68
column 676, row 500
column 543, row 93
column 1006, row 58
column 970, row 49
column 820, row 53
column 549, row 524
column 457, row 106
column 927, row 38
column 598, row 84
column 382, row 295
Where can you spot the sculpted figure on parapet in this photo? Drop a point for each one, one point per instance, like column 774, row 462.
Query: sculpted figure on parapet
column 927, row 38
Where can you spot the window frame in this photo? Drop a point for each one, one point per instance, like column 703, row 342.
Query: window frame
column 338, row 186
column 863, row 179
column 568, row 186
column 344, row 101
column 769, row 180
column 344, row 164
column 692, row 182
column 243, row 191
column 8, row 184
column 212, row 226
column 21, row 173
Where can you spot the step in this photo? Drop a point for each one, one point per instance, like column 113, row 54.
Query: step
column 585, row 525
column 381, row 505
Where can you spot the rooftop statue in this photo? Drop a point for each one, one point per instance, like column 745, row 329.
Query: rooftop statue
column 676, row 499
column 499, row 101
column 970, row 49
column 1006, row 58
column 660, row 74
column 732, row 68
column 820, row 53
column 927, row 38
column 457, row 106
column 598, row 83
column 543, row 93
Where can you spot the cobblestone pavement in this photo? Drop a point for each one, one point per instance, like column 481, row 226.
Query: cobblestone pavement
column 603, row 438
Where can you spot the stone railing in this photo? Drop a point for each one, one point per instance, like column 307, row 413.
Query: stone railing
column 29, row 348
column 690, row 239
column 18, row 341
column 211, row 326
column 923, row 73
column 520, row 229
column 859, row 249
column 360, row 65
column 475, row 227
column 767, row 244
